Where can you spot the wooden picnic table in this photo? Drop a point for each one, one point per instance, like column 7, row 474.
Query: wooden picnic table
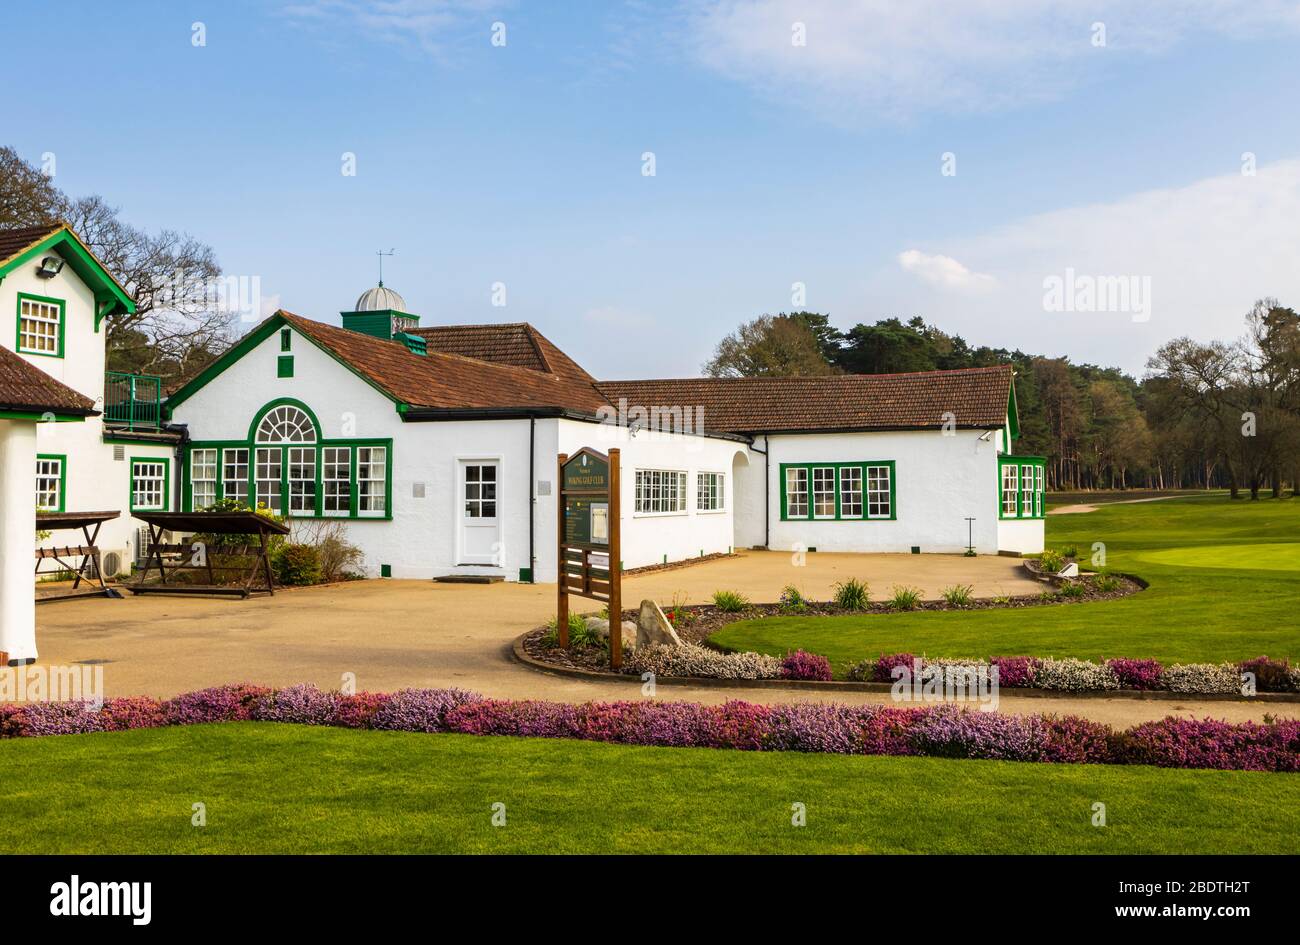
column 188, row 557
column 89, row 571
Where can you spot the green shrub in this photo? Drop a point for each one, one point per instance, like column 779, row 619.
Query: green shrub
column 792, row 600
column 1051, row 560
column 730, row 602
column 579, row 634
column 1002, row 600
column 1073, row 589
column 905, row 598
column 852, row 594
column 296, row 565
column 1106, row 583
column 1070, row 551
column 959, row 595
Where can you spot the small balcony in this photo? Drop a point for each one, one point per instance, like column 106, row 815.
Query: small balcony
column 132, row 401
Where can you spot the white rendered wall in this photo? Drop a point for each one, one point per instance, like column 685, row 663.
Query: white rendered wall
column 649, row 538
column 17, row 514
column 1022, row 536
column 939, row 481
column 423, row 539
column 94, row 480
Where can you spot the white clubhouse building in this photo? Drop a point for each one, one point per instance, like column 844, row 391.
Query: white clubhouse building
column 436, row 446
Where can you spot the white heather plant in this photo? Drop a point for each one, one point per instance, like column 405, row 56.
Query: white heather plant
column 692, row 660
column 1202, row 677
column 1074, row 675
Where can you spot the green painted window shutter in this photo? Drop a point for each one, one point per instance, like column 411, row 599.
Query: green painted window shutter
column 286, row 338
column 284, row 367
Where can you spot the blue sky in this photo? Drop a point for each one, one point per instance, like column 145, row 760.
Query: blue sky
column 776, row 163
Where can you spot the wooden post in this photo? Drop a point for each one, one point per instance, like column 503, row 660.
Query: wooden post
column 615, row 566
column 561, row 583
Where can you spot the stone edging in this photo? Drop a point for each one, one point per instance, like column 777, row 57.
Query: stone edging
column 844, row 685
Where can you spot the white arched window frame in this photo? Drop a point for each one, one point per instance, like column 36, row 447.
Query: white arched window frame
column 286, row 424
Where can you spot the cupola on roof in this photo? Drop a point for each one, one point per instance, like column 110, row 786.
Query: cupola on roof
column 380, row 299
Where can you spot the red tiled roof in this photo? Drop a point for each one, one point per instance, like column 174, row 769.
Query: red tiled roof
column 16, row 239
column 28, row 389
column 518, row 344
column 452, row 381
column 977, row 398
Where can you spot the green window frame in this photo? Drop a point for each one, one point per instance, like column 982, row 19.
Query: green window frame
column 204, row 466
column 36, row 313
column 1021, row 482
column 286, row 339
column 51, row 480
column 858, row 491
column 284, row 366
column 152, row 482
column 285, row 464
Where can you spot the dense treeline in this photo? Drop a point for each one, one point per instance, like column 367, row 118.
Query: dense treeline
column 1216, row 415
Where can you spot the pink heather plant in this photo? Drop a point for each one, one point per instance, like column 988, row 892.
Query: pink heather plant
column 128, row 712
column 358, row 709
column 420, row 710
column 1137, row 674
column 232, row 703
column 941, row 730
column 887, row 662
column 803, row 665
column 1204, row 743
column 1015, row 671
column 302, row 705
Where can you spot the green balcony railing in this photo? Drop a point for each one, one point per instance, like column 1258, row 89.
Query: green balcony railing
column 133, row 401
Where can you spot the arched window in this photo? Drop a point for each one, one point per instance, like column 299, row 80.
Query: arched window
column 286, row 424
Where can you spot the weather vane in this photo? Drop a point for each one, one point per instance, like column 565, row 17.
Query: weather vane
column 381, row 254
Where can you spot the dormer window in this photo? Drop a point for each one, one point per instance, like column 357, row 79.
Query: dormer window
column 40, row 325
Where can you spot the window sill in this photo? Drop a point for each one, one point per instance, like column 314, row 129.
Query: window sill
column 682, row 514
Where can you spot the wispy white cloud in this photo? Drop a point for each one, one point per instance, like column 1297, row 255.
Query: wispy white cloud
column 1207, row 250
column 427, row 25
column 886, row 57
column 943, row 271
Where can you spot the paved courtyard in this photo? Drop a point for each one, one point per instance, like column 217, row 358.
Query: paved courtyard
column 392, row 633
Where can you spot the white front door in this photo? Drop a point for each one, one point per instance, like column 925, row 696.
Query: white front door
column 480, row 521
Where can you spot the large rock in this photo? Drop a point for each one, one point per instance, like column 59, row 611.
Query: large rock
column 653, row 628
column 601, row 626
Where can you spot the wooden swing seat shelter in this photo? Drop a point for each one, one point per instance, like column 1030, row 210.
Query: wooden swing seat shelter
column 169, row 559
column 89, row 570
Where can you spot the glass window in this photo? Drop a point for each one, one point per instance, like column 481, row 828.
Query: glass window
column 269, row 476
column 234, row 474
column 372, row 490
column 879, row 501
column 336, row 480
column 302, row 480
column 1038, row 491
column 481, row 490
column 1010, row 489
column 709, row 495
column 203, row 478
column 148, row 485
column 660, row 490
column 850, row 492
column 286, row 424
column 796, row 492
column 823, row 482
column 38, row 326
column 49, row 484
column 1026, row 491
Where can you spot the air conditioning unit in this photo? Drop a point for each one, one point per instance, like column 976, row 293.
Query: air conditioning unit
column 111, row 564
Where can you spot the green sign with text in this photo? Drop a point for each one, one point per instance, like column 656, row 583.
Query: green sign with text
column 587, row 471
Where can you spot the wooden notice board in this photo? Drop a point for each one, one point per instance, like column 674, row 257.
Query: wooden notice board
column 588, row 551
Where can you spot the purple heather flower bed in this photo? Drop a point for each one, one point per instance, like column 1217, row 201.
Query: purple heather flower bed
column 945, row 731
column 1022, row 672
column 804, row 665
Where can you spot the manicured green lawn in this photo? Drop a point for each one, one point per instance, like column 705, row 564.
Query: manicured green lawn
column 1236, row 595
column 280, row 788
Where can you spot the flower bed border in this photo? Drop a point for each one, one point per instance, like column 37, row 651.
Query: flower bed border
column 943, row 731
column 845, row 685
